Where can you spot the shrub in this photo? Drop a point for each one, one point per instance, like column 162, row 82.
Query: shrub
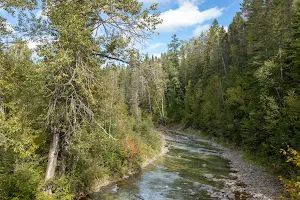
column 292, row 185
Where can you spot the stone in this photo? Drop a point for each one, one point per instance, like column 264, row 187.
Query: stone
column 231, row 196
column 196, row 184
column 115, row 188
column 226, row 190
column 213, row 195
column 208, row 176
column 234, row 175
column 192, row 193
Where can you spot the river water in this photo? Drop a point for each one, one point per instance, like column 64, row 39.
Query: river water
column 192, row 169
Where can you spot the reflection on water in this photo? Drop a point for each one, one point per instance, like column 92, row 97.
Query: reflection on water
column 180, row 174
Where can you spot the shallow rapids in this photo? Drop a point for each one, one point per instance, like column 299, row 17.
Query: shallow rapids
column 192, row 169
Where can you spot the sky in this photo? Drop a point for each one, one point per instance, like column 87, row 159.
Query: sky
column 185, row 18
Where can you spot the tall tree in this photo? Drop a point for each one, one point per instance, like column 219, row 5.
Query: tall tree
column 84, row 35
column 173, row 50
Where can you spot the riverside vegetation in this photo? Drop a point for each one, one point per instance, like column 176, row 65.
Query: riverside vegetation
column 65, row 123
column 73, row 115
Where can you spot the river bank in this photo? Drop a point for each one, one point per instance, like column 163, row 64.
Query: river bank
column 191, row 170
column 256, row 181
column 103, row 183
column 190, row 167
column 259, row 183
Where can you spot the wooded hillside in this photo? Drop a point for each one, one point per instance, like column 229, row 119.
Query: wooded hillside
column 242, row 84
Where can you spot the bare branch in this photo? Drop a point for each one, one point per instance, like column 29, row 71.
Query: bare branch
column 110, row 57
column 109, row 135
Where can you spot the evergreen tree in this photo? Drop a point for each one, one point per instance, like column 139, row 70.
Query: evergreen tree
column 173, row 51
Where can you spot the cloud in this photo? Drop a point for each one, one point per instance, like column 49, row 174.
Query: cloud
column 32, row 45
column 186, row 15
column 154, row 46
column 179, row 2
column 154, row 1
column 200, row 28
column 158, row 55
column 195, row 2
column 9, row 27
column 41, row 14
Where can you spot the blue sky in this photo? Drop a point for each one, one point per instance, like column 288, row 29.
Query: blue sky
column 187, row 19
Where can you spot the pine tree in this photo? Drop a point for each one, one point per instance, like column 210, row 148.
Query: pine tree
column 173, row 51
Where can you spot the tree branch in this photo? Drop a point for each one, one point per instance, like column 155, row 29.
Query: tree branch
column 109, row 135
column 110, row 57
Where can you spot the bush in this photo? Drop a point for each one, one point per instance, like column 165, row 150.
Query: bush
column 292, row 185
column 20, row 184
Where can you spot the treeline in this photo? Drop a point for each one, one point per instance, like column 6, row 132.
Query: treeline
column 242, row 85
column 69, row 117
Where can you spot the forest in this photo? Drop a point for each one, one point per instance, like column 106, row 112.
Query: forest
column 83, row 107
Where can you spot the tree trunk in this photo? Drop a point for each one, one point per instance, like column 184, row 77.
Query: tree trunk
column 2, row 110
column 221, row 91
column 162, row 106
column 149, row 99
column 224, row 65
column 2, row 107
column 135, row 107
column 135, row 101
column 52, row 158
column 63, row 156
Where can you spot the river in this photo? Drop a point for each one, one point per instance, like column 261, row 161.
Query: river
column 192, row 169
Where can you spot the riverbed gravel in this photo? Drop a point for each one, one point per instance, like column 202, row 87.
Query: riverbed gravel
column 254, row 182
column 258, row 182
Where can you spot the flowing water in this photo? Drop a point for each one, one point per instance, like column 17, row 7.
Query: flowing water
column 192, row 169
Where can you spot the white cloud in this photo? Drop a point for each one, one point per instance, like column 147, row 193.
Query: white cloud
column 158, row 55
column 154, row 1
column 41, row 14
column 200, row 28
column 32, row 45
column 9, row 27
column 195, row 2
column 154, row 46
column 186, row 15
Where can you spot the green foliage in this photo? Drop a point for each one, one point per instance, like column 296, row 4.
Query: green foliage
column 174, row 93
column 243, row 85
column 292, row 186
column 65, row 93
column 148, row 136
column 22, row 183
column 173, row 51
